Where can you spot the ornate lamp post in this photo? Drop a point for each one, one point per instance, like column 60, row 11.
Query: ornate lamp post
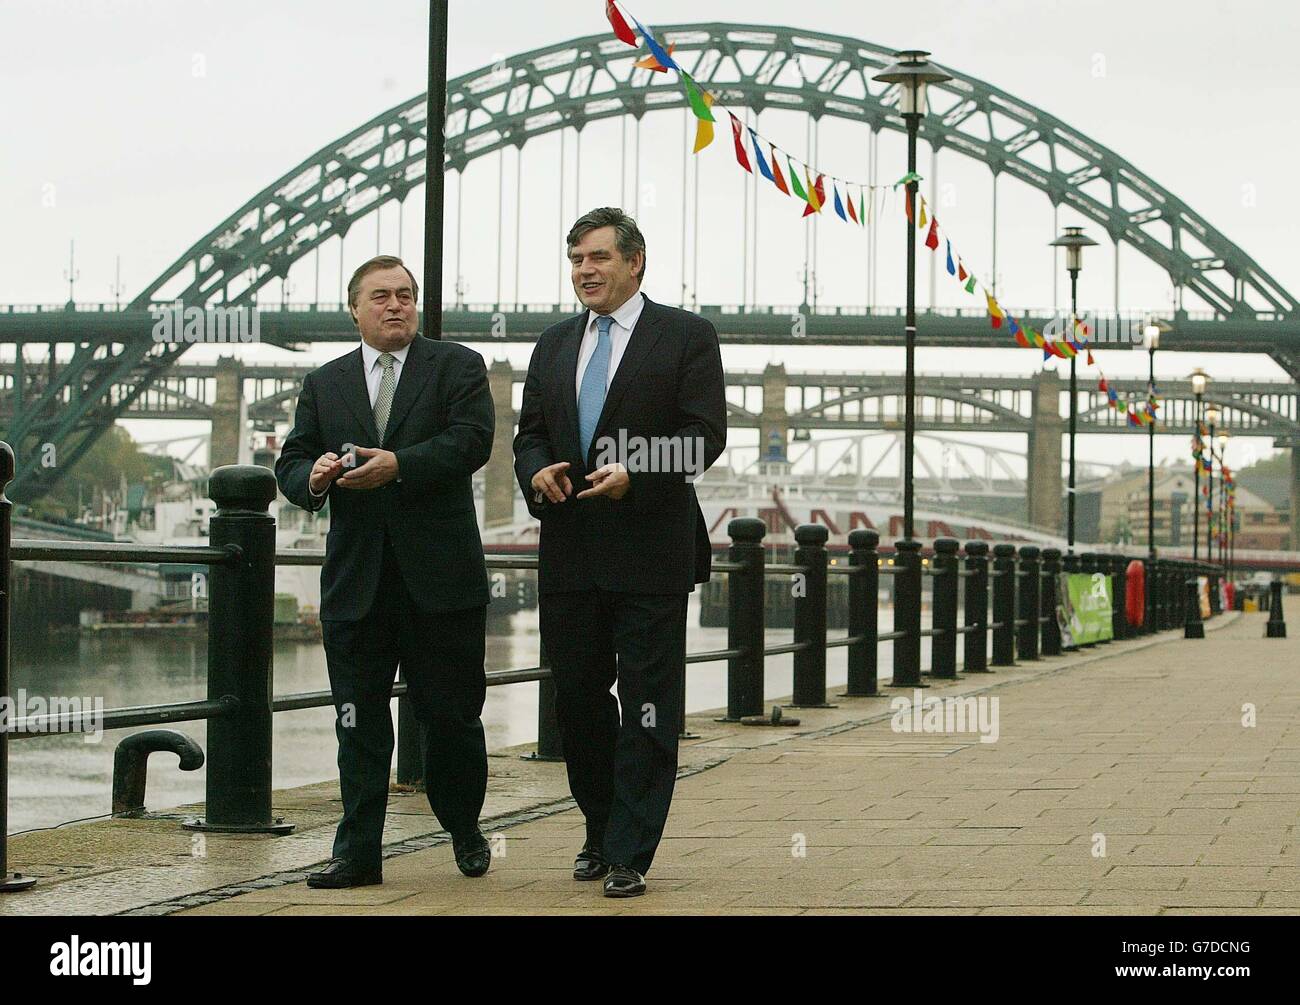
column 912, row 72
column 1200, row 380
column 1073, row 241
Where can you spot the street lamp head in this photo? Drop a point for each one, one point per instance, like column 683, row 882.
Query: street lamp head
column 1151, row 337
column 1200, row 380
column 912, row 72
column 1223, row 441
column 1074, row 240
column 1212, row 414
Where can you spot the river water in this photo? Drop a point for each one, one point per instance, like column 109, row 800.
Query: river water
column 54, row 779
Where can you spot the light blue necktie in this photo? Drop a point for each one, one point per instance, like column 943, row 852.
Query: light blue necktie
column 591, row 399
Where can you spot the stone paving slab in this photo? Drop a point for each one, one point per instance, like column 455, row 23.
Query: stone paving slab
column 1137, row 744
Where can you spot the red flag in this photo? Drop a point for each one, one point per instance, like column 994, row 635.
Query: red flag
column 740, row 144
column 932, row 239
column 1020, row 338
column 961, row 271
column 618, row 24
column 908, row 193
column 1103, row 386
column 1090, row 360
column 852, row 212
column 776, row 170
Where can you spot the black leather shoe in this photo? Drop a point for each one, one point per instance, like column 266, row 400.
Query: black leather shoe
column 340, row 874
column 590, row 863
column 473, row 854
column 624, row 882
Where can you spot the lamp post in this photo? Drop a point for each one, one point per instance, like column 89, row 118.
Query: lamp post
column 1073, row 241
column 1223, row 501
column 1199, row 381
column 1152, row 341
column 912, row 72
column 1212, row 418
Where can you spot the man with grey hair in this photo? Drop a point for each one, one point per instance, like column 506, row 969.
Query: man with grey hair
column 618, row 556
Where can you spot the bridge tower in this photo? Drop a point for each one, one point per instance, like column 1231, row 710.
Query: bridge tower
column 774, row 424
column 1046, row 427
column 499, row 475
column 229, row 441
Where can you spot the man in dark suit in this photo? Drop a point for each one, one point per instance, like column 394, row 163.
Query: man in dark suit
column 626, row 402
column 404, row 579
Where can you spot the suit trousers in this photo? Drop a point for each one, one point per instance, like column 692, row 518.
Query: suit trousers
column 441, row 656
column 621, row 771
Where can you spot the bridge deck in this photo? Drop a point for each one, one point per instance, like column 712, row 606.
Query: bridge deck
column 1141, row 742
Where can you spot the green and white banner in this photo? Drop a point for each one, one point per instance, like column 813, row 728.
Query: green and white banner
column 1084, row 610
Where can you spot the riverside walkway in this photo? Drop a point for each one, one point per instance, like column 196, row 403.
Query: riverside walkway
column 1128, row 778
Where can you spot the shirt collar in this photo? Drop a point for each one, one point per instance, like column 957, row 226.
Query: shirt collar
column 626, row 316
column 370, row 355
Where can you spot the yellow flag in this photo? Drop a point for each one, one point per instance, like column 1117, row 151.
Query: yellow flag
column 704, row 128
column 921, row 223
column 812, row 195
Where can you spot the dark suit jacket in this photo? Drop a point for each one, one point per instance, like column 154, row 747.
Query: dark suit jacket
column 669, row 383
column 440, row 428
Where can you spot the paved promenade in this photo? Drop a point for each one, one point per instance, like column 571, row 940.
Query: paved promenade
column 1122, row 781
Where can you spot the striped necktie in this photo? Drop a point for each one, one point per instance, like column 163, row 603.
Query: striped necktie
column 591, row 400
column 387, row 388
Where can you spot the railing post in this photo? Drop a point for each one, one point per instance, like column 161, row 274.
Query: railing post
column 1029, row 604
column 9, row 882
column 864, row 614
column 810, row 618
column 907, row 614
column 1192, row 626
column 943, row 616
column 977, row 608
column 241, row 609
column 1114, row 565
column 1051, row 580
column 549, row 745
column 745, row 619
column 1276, row 627
column 1004, row 605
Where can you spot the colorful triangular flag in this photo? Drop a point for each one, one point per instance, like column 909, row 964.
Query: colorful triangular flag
column 740, row 143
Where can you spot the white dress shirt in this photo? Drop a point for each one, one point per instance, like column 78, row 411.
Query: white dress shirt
column 620, row 333
column 375, row 373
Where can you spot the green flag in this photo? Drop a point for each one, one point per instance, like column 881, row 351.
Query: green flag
column 693, row 95
column 794, row 182
column 970, row 285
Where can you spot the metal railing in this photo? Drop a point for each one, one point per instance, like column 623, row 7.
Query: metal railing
column 242, row 558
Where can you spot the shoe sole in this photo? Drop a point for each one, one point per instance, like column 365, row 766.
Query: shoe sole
column 623, row 895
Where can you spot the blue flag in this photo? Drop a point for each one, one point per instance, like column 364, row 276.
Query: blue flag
column 656, row 49
column 839, row 206
column 762, row 161
column 952, row 269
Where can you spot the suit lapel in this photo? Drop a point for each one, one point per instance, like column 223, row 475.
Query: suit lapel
column 416, row 372
column 567, row 367
column 352, row 387
column 641, row 343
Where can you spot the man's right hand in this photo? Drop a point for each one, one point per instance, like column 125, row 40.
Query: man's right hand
column 323, row 472
column 553, row 483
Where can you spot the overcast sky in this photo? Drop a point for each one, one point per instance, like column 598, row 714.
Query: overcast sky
column 134, row 127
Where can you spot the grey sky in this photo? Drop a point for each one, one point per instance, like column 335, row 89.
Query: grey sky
column 103, row 112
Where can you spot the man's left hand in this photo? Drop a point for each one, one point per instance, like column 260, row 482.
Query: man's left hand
column 379, row 469
column 612, row 480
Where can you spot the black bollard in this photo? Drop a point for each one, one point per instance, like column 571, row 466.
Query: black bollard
column 1192, row 626
column 907, row 614
column 745, row 619
column 1276, row 627
column 1118, row 596
column 1051, row 585
column 1028, row 604
column 976, row 619
column 810, row 618
column 864, row 613
column 9, row 882
column 943, row 618
column 1004, row 605
column 241, row 609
